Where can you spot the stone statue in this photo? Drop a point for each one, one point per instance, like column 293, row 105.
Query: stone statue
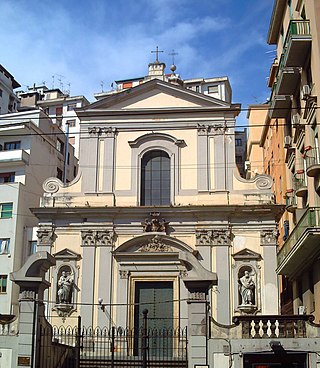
column 246, row 287
column 65, row 285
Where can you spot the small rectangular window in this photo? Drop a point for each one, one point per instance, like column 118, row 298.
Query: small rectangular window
column 7, row 177
column 127, row 85
column 71, row 107
column 238, row 142
column 71, row 123
column 8, row 146
column 59, row 173
column 3, row 283
column 59, row 111
column 60, row 146
column 32, row 247
column 213, row 89
column 4, row 246
column 0, row 92
column 6, row 210
column 75, row 171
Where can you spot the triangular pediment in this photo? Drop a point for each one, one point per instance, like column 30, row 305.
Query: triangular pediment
column 67, row 254
column 247, row 254
column 156, row 94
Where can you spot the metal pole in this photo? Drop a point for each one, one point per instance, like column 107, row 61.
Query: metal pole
column 144, row 338
column 78, row 343
column 113, row 333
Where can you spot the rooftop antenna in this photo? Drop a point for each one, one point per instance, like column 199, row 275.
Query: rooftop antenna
column 69, row 88
column 53, row 82
column 101, row 84
column 156, row 51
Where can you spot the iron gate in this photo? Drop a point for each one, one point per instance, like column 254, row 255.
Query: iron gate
column 115, row 347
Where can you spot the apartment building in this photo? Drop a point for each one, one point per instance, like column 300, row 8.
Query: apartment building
column 294, row 30
column 8, row 99
column 32, row 149
column 59, row 106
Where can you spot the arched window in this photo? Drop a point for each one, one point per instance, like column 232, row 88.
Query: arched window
column 155, row 178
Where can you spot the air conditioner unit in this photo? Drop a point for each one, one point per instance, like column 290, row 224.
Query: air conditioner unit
column 295, row 120
column 302, row 309
column 287, row 141
column 306, row 91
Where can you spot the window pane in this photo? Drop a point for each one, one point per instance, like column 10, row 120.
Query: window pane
column 6, row 210
column 155, row 178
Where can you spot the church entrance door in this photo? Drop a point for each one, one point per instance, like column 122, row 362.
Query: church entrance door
column 157, row 298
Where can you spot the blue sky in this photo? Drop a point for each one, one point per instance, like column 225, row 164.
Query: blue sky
column 86, row 42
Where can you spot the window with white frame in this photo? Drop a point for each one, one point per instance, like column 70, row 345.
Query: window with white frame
column 4, row 246
column 3, row 283
column 6, row 210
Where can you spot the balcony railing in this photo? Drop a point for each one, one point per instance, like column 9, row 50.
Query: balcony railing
column 300, row 184
column 297, row 43
column 310, row 219
column 291, row 201
column 313, row 162
column 265, row 326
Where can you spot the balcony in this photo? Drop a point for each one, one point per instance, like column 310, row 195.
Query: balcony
column 287, row 81
column 291, row 201
column 279, row 106
column 14, row 157
column 313, row 162
column 302, row 246
column 297, row 43
column 300, row 184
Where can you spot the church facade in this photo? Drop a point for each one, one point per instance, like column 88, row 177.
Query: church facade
column 158, row 203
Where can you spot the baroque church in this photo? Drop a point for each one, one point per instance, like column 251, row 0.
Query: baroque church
column 158, row 208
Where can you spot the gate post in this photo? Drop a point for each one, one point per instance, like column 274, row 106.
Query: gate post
column 31, row 279
column 144, row 342
column 198, row 282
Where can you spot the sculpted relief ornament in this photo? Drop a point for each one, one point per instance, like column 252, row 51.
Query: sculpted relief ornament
column 46, row 237
column 155, row 245
column 155, row 224
column 97, row 237
column 269, row 237
column 213, row 237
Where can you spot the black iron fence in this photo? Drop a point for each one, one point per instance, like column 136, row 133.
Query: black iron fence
column 115, row 347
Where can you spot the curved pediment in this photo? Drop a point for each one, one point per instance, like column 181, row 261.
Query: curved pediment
column 153, row 242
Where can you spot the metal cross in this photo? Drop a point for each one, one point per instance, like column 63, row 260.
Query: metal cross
column 157, row 53
column 173, row 55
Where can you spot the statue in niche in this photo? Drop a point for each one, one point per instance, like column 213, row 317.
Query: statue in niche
column 65, row 287
column 247, row 289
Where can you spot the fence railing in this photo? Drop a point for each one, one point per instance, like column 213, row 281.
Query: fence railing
column 113, row 347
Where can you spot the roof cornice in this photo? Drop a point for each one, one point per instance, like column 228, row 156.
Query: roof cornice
column 276, row 21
